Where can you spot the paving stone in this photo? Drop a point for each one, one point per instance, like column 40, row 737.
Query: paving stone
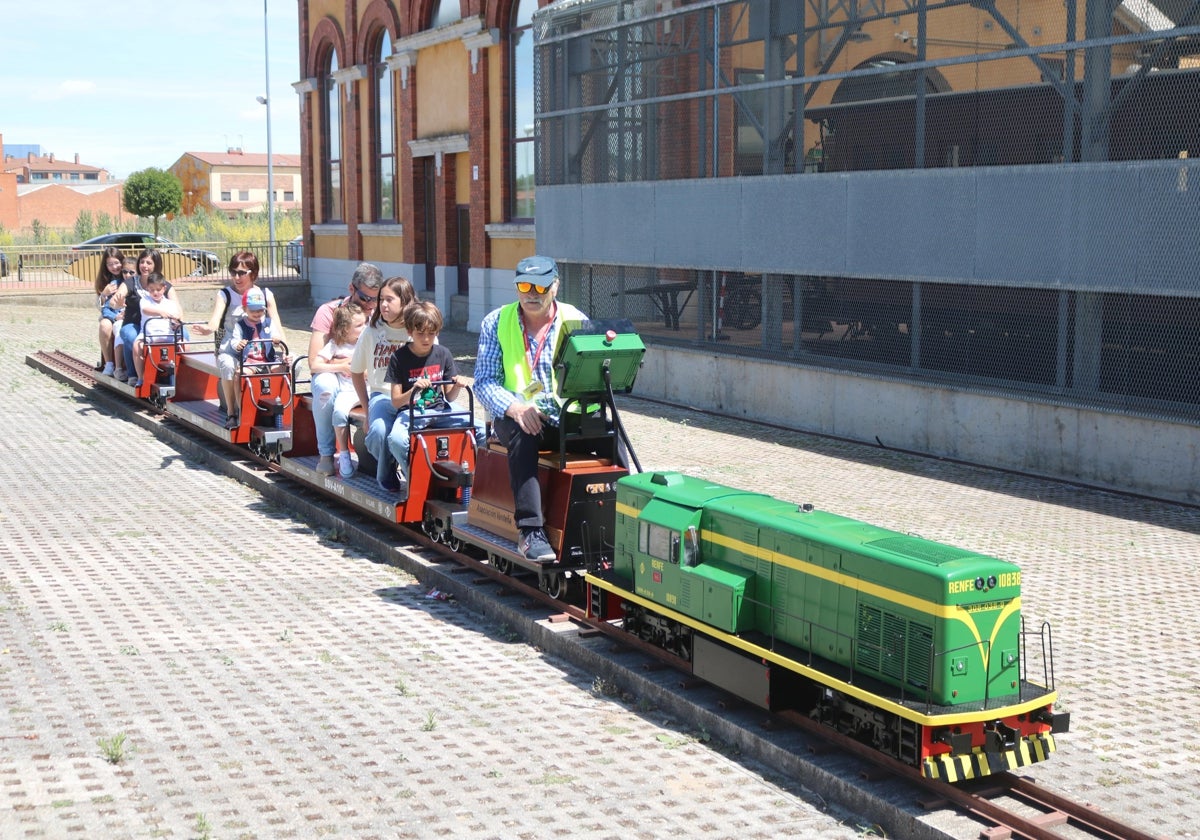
column 270, row 682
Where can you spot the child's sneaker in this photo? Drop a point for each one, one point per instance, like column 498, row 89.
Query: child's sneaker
column 108, row 369
column 325, row 465
column 346, row 466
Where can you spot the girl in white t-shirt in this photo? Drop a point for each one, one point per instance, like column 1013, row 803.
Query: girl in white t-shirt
column 333, row 385
column 368, row 369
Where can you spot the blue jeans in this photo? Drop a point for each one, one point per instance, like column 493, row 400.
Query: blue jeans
column 331, row 405
column 380, row 417
column 128, row 333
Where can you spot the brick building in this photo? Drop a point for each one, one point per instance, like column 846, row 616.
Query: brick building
column 53, row 192
column 234, row 182
column 9, row 220
column 417, row 145
column 59, row 205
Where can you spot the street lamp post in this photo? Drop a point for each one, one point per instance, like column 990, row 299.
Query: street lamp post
column 266, row 100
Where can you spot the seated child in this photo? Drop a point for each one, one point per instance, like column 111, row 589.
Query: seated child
column 414, row 367
column 334, row 395
column 108, row 282
column 160, row 317
column 252, row 340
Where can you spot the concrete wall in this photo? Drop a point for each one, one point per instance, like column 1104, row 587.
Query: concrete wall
column 1122, row 451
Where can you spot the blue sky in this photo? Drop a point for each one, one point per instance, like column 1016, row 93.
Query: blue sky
column 129, row 84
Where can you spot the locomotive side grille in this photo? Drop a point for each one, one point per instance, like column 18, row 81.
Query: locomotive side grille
column 893, row 645
column 779, row 592
column 870, row 628
column 685, row 592
column 920, row 648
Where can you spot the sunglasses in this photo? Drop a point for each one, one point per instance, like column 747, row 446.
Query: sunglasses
column 365, row 298
column 128, row 272
column 240, row 272
column 525, row 288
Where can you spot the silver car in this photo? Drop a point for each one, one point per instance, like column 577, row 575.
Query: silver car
column 293, row 254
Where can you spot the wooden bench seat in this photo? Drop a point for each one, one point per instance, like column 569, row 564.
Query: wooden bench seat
column 202, row 361
column 358, row 414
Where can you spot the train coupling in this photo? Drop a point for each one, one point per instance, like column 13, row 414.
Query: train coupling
column 1059, row 721
column 959, row 742
column 998, row 737
column 271, row 436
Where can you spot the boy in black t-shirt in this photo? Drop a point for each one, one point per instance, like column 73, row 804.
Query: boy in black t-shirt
column 414, row 368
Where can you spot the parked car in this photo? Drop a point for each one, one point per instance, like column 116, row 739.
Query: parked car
column 293, row 255
column 207, row 262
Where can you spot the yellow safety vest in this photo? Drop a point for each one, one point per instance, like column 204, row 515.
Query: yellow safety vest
column 517, row 372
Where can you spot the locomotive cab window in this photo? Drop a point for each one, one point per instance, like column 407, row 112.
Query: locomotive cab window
column 659, row 542
column 691, row 546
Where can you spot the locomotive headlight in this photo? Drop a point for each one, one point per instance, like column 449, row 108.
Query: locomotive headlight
column 991, row 582
column 979, row 583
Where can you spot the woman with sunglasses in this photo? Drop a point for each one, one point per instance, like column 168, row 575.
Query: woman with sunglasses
column 514, row 380
column 365, row 285
column 228, row 308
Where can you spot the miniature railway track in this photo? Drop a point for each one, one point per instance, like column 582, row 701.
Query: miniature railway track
column 1007, row 805
column 82, row 377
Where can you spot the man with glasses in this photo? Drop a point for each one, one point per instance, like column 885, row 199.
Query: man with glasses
column 365, row 284
column 514, row 380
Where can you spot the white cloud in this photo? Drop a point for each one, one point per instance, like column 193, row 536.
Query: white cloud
column 76, row 87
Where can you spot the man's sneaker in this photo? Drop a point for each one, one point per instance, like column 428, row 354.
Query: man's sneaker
column 325, row 465
column 534, row 545
column 346, row 466
column 107, row 370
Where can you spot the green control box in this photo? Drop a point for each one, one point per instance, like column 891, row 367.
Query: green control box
column 592, row 346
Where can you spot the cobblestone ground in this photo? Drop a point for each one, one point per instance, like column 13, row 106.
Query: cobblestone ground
column 180, row 658
column 224, row 703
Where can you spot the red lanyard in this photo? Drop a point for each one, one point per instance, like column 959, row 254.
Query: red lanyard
column 535, row 346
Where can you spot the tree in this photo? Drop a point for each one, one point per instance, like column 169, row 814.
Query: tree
column 152, row 193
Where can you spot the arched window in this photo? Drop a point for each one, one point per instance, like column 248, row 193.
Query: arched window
column 524, row 158
column 331, row 141
column 446, row 11
column 383, row 134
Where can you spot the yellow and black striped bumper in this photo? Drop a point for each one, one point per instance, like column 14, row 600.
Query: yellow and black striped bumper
column 956, row 768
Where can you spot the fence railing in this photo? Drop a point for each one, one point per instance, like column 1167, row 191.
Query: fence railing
column 59, row 266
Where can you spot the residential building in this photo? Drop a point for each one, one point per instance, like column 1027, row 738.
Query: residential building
column 234, row 182
column 53, row 192
column 47, row 169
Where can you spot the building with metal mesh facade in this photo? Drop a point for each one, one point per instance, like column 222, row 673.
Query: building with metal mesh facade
column 968, row 229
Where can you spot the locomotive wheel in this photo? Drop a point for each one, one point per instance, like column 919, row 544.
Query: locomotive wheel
column 553, row 584
column 502, row 564
column 452, row 542
column 430, row 529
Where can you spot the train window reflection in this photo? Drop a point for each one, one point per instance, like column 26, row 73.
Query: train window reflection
column 658, row 541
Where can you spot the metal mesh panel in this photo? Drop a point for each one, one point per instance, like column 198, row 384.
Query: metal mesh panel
column 656, row 91
column 751, row 88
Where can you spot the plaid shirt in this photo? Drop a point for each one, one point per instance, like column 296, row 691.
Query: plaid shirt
column 489, row 370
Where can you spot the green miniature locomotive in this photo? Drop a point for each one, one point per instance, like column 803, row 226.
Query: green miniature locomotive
column 910, row 646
